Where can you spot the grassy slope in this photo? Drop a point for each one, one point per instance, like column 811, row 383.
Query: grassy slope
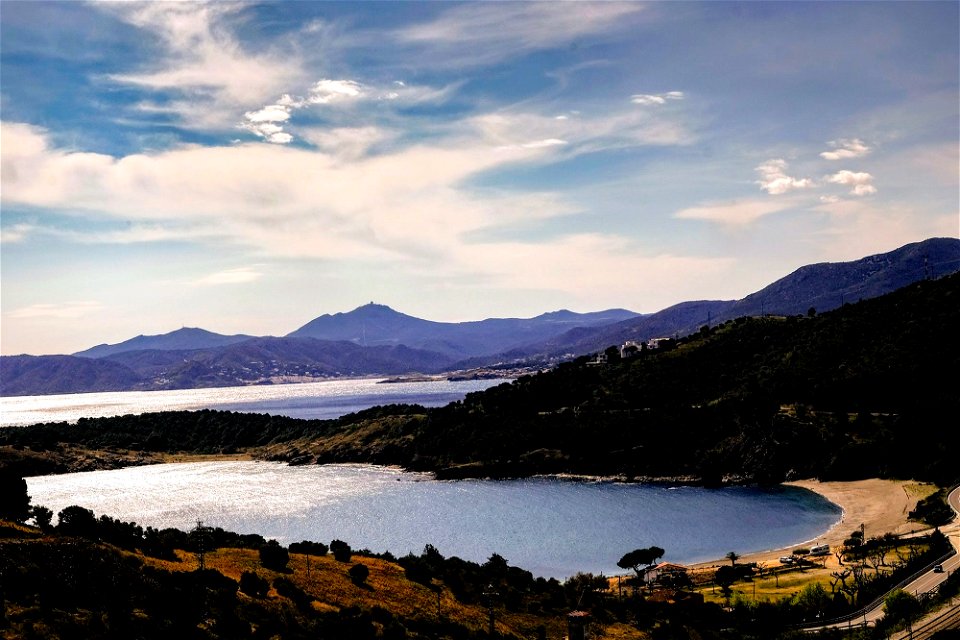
column 326, row 582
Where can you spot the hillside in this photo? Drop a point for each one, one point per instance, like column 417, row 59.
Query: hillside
column 822, row 287
column 252, row 361
column 864, row 391
column 106, row 579
column 34, row 375
column 867, row 390
column 180, row 340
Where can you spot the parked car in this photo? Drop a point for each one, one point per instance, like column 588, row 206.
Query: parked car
column 786, row 560
column 938, row 568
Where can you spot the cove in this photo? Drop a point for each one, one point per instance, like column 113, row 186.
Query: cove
column 549, row 526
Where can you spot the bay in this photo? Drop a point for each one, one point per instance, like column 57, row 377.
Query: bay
column 314, row 400
column 549, row 526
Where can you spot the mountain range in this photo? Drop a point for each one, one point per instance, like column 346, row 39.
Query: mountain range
column 377, row 340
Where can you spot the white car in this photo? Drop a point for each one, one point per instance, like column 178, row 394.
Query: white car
column 786, row 560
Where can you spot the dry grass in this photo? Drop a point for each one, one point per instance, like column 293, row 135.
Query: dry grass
column 327, row 581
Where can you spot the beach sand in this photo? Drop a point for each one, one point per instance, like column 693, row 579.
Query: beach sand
column 881, row 506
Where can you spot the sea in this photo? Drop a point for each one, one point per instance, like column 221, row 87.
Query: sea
column 321, row 400
column 553, row 527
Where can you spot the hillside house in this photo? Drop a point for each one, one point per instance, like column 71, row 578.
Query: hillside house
column 667, row 573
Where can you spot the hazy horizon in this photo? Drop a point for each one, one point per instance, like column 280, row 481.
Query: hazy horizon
column 247, row 167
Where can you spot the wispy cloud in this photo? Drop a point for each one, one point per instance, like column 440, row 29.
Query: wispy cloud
column 64, row 310
column 208, row 75
column 16, row 233
column 471, row 34
column 846, row 148
column 240, row 275
column 270, row 121
column 346, row 143
column 647, row 99
column 775, row 181
column 860, row 183
column 739, row 212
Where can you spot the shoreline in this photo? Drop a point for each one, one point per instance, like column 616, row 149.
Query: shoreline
column 881, row 506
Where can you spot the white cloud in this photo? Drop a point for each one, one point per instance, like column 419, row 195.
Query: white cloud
column 645, row 99
column 281, row 200
column 16, row 233
column 269, row 122
column 846, row 148
column 579, row 134
column 861, row 183
column 347, row 143
column 326, row 91
column 775, row 181
column 65, row 310
column 270, row 113
column 740, row 212
column 540, row 144
column 204, row 64
column 241, row 275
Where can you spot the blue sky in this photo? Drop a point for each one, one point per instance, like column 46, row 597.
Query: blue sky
column 246, row 167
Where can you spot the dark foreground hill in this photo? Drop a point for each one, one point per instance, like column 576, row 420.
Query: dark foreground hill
column 867, row 390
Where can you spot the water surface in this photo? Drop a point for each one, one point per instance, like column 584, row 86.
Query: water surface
column 321, row 400
column 551, row 527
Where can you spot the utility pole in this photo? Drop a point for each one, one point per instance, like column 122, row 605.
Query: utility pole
column 490, row 593
column 200, row 546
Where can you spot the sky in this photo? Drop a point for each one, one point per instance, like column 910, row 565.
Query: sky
column 245, row 167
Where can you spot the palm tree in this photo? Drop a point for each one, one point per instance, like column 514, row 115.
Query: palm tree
column 733, row 556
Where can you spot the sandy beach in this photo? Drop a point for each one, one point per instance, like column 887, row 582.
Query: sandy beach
column 880, row 505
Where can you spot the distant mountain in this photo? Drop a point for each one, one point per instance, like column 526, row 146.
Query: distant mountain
column 375, row 324
column 186, row 338
column 38, row 375
column 376, row 340
column 821, row 287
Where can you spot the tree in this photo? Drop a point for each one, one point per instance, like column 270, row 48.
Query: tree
column 724, row 577
column 732, row 556
column 341, row 551
column 77, row 521
column 43, row 518
column 14, row 499
column 253, row 585
column 812, row 599
column 640, row 557
column 900, row 606
column 273, row 556
column 359, row 573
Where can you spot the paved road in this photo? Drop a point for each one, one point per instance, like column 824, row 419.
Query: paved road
column 926, row 582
